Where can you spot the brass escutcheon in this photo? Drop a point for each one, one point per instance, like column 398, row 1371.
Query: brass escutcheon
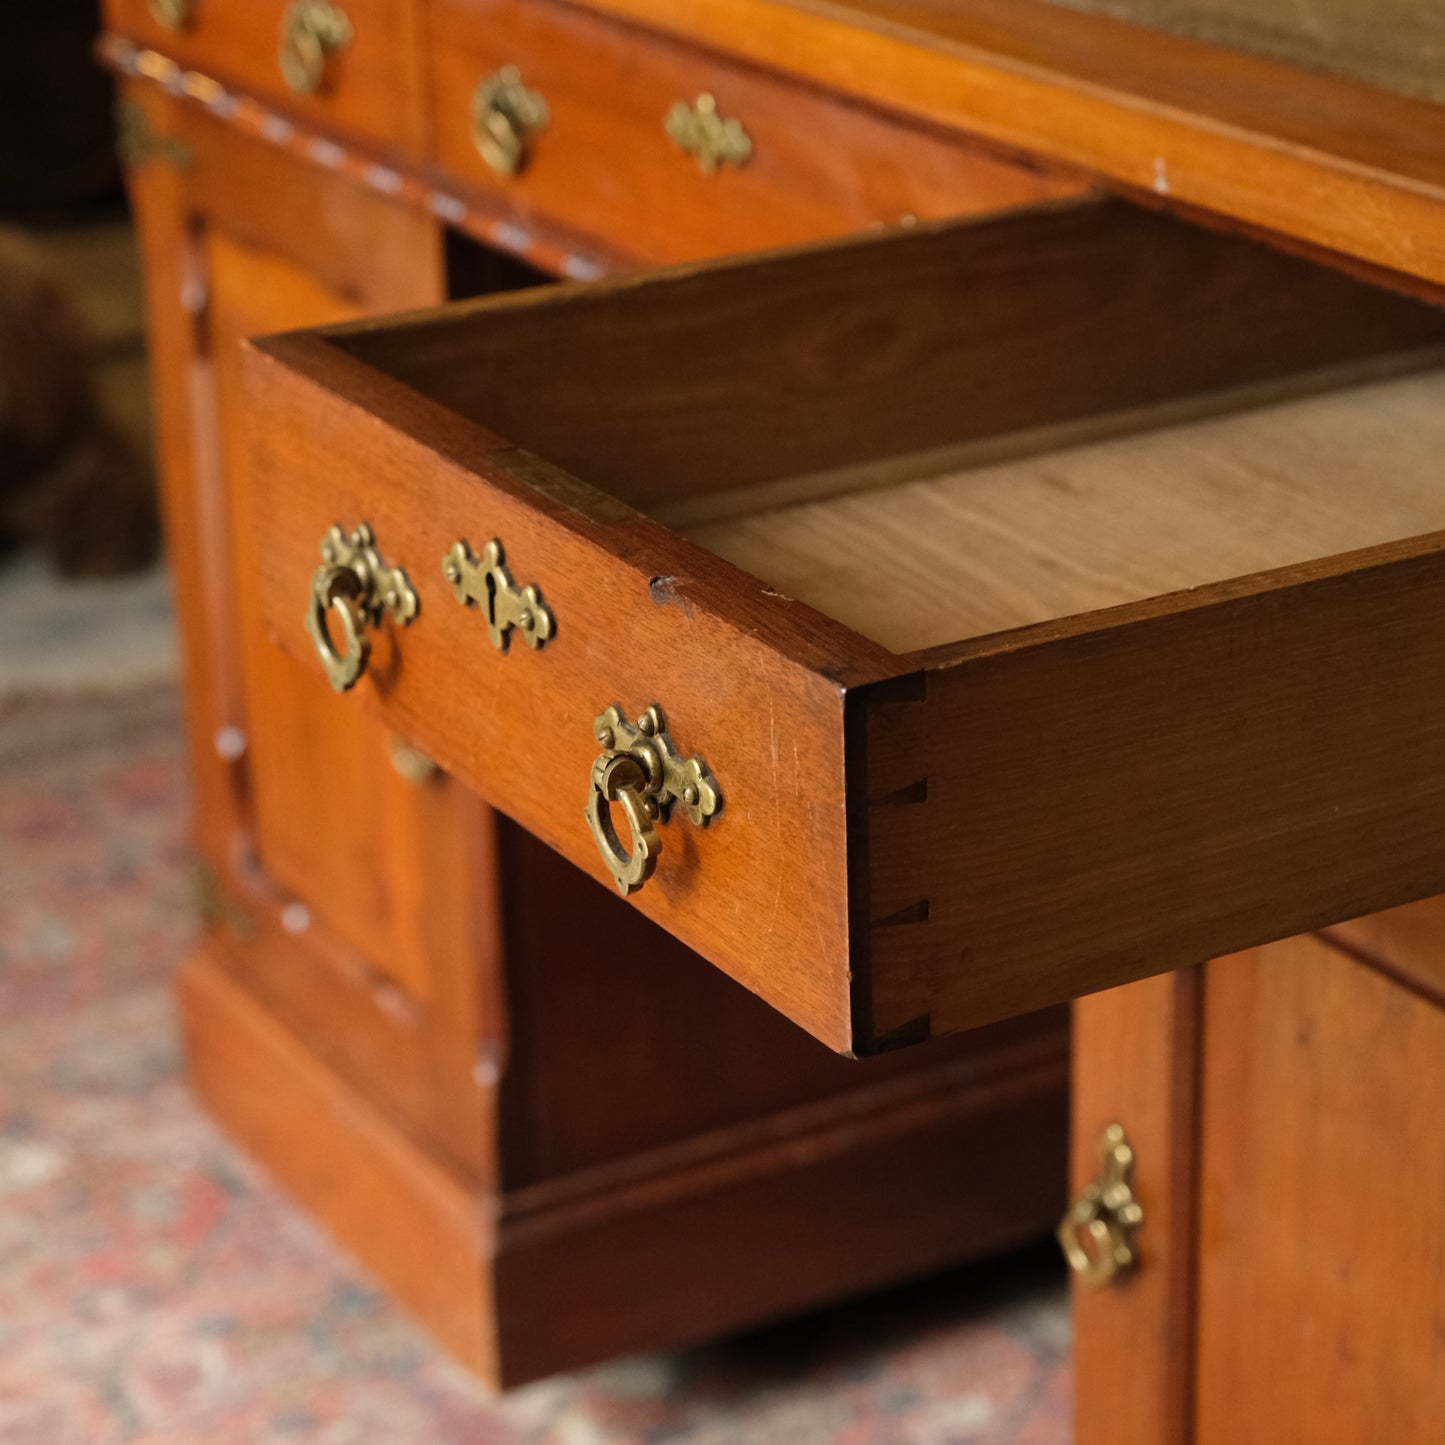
column 312, row 31
column 173, row 14
column 488, row 585
column 505, row 116
column 355, row 585
column 645, row 775
column 699, row 130
column 1097, row 1234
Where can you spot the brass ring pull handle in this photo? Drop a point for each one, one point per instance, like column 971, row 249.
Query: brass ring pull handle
column 712, row 141
column 1097, row 1234
column 354, row 585
column 618, row 778
column 173, row 14
column 312, row 31
column 505, row 116
column 642, row 772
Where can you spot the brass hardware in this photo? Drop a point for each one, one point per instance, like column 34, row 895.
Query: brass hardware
column 702, row 132
column 1097, row 1234
column 505, row 114
column 411, row 764
column 312, row 31
column 489, row 585
column 355, row 584
column 642, row 770
column 137, row 144
column 173, row 14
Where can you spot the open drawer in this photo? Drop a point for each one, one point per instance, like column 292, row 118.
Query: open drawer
column 1053, row 599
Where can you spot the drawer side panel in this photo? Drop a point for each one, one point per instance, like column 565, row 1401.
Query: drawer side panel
column 1189, row 777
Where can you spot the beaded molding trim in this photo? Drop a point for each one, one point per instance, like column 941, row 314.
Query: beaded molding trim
column 548, row 252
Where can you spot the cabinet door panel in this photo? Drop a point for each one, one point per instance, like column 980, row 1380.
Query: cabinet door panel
column 326, row 800
column 381, row 967
column 1322, row 1220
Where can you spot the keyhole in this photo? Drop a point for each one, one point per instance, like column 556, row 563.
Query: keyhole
column 491, row 600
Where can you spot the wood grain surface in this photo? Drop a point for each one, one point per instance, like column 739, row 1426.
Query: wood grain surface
column 1137, row 1053
column 968, row 553
column 1068, row 806
column 745, row 371
column 1322, row 1256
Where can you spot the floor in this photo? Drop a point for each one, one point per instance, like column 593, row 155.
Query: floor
column 158, row 1290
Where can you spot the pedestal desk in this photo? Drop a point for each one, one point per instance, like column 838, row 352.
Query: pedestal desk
column 1019, row 586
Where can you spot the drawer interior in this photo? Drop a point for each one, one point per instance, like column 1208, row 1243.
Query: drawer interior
column 1073, row 408
column 973, row 550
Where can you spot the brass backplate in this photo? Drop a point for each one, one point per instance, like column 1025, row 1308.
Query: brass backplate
column 706, row 136
column 1097, row 1234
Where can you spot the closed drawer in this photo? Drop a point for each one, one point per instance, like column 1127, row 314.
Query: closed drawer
column 1047, row 609
column 793, row 164
column 346, row 63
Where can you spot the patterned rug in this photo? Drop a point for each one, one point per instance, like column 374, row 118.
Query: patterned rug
column 156, row 1290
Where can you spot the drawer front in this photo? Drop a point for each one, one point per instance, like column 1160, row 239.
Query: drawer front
column 602, row 159
column 348, row 64
column 627, row 630
column 909, row 842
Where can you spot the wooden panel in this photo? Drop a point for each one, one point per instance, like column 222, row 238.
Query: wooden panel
column 604, row 164
column 1408, row 941
column 320, row 774
column 1394, row 43
column 1309, row 157
column 1136, row 1063
column 760, row 1222
column 1059, row 809
column 882, row 347
column 372, row 84
column 621, row 1042
column 1322, row 1251
column 190, row 488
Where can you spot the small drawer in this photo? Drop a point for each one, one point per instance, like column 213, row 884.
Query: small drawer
column 673, row 153
column 1053, row 598
column 346, row 63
